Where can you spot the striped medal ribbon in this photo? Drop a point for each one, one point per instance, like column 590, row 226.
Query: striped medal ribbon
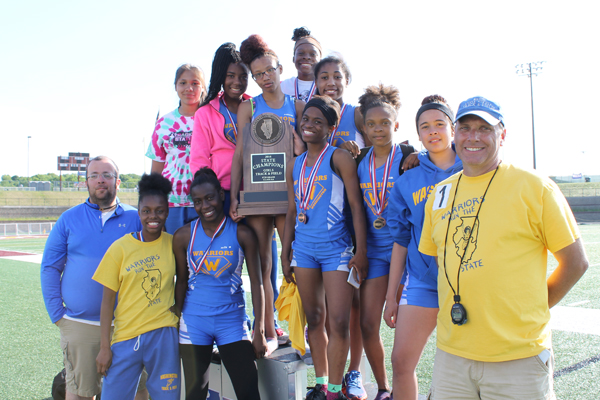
column 380, row 198
column 198, row 267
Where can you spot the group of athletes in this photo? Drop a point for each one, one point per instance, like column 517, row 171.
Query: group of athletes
column 356, row 206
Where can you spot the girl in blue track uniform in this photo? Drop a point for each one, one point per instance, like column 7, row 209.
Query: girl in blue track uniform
column 265, row 69
column 378, row 173
column 317, row 246
column 415, row 318
column 332, row 77
column 209, row 254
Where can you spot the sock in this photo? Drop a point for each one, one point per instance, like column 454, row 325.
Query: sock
column 332, row 395
column 323, row 380
column 335, row 388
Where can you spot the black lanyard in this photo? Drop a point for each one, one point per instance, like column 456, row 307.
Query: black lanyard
column 458, row 313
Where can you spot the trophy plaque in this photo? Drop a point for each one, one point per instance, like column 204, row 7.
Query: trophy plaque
column 268, row 146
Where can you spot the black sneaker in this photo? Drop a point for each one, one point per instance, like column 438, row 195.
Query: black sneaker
column 316, row 393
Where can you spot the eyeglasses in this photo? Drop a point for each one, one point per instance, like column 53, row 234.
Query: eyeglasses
column 105, row 175
column 267, row 72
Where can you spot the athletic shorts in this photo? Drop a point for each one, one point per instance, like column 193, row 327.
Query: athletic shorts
column 379, row 261
column 178, row 217
column 328, row 256
column 156, row 350
column 419, row 293
column 221, row 329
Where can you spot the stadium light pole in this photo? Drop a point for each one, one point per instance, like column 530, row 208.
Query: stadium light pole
column 28, row 137
column 529, row 70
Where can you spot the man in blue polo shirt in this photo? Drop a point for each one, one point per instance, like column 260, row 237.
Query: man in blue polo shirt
column 73, row 250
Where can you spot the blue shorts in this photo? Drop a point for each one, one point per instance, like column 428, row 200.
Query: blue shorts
column 222, row 329
column 328, row 256
column 419, row 293
column 379, row 261
column 178, row 217
column 156, row 350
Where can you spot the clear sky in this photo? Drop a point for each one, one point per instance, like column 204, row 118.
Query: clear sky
column 81, row 76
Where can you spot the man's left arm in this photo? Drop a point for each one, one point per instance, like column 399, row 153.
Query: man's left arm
column 572, row 264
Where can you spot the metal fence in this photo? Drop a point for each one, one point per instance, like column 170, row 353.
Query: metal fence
column 57, row 202
column 17, row 188
column 580, row 192
column 26, row 229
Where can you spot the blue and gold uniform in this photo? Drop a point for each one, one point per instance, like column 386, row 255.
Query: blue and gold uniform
column 215, row 308
column 347, row 130
column 287, row 112
column 324, row 241
column 407, row 211
column 379, row 241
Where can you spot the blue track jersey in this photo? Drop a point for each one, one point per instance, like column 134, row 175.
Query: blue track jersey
column 326, row 221
column 377, row 237
column 228, row 130
column 347, row 129
column 217, row 288
column 287, row 112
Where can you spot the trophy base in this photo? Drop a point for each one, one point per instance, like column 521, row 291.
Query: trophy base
column 263, row 203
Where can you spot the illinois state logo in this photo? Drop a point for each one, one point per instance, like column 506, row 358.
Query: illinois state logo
column 465, row 238
column 151, row 283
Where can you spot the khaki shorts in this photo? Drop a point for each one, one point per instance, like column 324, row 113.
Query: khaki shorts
column 80, row 344
column 460, row 378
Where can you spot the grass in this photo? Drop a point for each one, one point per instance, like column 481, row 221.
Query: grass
column 31, row 353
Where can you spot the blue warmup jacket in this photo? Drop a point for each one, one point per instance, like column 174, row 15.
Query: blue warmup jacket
column 73, row 251
column 407, row 211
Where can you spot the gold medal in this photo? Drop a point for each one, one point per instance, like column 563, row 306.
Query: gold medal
column 303, row 218
column 379, row 223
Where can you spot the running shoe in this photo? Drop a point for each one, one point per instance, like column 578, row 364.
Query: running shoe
column 383, row 395
column 272, row 345
column 316, row 393
column 352, row 386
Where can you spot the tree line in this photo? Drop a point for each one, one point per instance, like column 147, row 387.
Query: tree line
column 15, row 180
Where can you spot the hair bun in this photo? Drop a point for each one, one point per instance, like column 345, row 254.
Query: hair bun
column 300, row 33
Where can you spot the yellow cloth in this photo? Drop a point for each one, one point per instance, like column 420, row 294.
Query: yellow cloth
column 289, row 306
column 143, row 275
column 503, row 277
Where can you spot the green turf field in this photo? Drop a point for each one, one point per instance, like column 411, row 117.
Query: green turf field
column 31, row 355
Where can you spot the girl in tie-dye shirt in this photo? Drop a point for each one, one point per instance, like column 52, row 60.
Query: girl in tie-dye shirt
column 170, row 145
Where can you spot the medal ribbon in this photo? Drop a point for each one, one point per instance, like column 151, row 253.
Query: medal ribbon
column 140, row 237
column 332, row 137
column 311, row 92
column 380, row 199
column 306, row 189
column 230, row 119
column 198, row 267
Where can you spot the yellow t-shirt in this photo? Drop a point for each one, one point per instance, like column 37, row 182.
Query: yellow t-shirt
column 503, row 277
column 143, row 275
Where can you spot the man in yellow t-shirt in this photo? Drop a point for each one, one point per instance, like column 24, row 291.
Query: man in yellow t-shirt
column 490, row 228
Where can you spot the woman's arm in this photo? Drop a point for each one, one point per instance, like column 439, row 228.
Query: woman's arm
column 397, row 265
column 299, row 145
column 244, row 118
column 249, row 244
column 104, row 359
column 290, row 221
column 181, row 238
column 157, row 167
column 345, row 167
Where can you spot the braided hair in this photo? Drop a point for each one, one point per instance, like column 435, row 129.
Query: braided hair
column 225, row 55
